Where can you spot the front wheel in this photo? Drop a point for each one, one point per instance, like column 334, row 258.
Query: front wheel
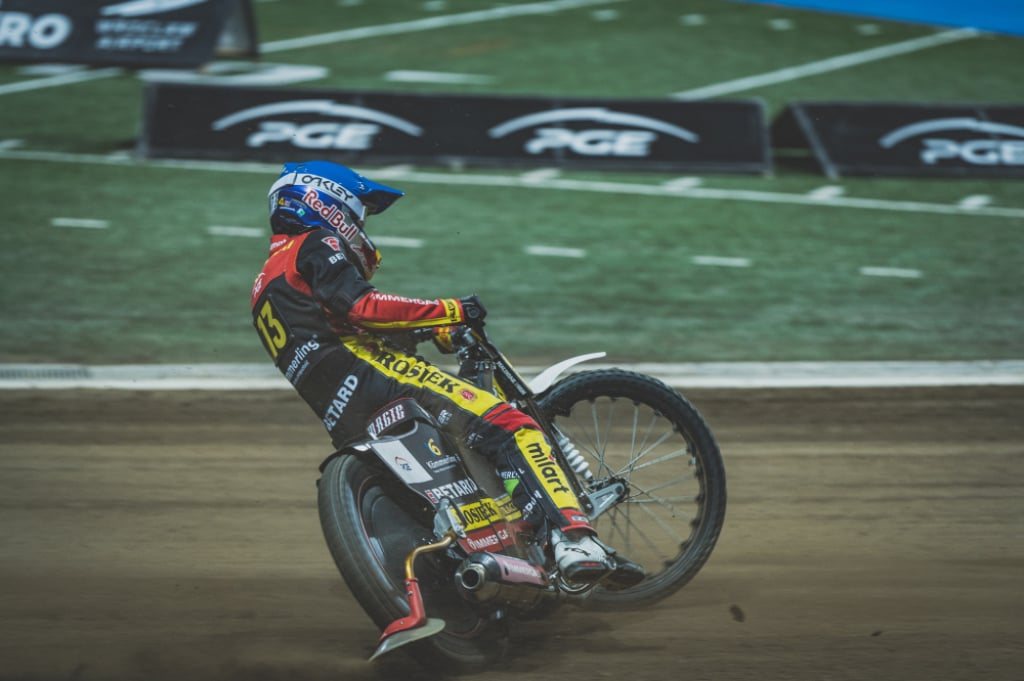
column 635, row 429
column 371, row 524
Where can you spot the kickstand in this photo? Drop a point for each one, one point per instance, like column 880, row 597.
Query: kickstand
column 415, row 626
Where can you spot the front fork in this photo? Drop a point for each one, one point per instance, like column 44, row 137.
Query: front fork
column 596, row 496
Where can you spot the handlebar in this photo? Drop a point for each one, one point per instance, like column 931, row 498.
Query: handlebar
column 478, row 358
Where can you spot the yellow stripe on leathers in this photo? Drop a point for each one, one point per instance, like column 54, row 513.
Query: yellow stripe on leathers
column 537, row 451
column 416, row 372
column 412, row 371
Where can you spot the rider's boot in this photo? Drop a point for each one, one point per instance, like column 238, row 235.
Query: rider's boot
column 583, row 558
column 579, row 557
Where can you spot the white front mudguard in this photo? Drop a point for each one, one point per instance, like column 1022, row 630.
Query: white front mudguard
column 546, row 378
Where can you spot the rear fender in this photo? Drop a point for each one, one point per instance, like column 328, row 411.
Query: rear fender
column 396, row 418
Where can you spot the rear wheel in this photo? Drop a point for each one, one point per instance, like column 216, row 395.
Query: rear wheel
column 632, row 428
column 371, row 523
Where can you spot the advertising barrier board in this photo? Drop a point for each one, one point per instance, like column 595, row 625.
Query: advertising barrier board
column 926, row 140
column 196, row 121
column 131, row 33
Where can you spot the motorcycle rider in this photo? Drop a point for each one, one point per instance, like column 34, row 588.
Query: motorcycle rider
column 337, row 339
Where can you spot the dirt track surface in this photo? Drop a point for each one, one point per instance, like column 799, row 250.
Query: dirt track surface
column 870, row 535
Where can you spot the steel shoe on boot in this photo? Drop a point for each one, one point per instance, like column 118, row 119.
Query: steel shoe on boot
column 580, row 559
column 625, row 574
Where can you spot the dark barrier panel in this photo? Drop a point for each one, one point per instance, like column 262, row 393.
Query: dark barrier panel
column 267, row 124
column 132, row 33
column 927, row 140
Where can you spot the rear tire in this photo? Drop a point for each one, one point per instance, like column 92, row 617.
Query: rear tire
column 371, row 523
column 636, row 429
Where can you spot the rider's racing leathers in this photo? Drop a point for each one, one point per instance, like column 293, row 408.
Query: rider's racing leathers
column 326, row 329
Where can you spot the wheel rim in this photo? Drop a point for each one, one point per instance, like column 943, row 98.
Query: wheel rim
column 621, row 438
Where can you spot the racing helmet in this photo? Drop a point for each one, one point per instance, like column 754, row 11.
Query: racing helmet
column 322, row 194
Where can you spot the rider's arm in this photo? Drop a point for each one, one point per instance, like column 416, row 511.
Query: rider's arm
column 379, row 311
column 347, row 296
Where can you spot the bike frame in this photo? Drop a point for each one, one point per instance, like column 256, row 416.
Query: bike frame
column 471, row 508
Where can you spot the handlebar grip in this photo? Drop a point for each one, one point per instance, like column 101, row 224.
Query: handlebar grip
column 473, row 311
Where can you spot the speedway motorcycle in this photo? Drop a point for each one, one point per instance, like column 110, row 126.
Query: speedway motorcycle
column 434, row 551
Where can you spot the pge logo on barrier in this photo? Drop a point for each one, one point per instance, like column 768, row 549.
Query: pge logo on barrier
column 632, row 138
column 977, row 151
column 356, row 135
column 270, row 124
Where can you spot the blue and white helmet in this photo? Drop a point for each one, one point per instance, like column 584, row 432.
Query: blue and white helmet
column 321, row 194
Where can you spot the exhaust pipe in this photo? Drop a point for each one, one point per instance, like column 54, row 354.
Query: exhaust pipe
column 485, row 577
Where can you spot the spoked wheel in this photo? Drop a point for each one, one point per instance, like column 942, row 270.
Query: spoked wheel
column 633, row 428
column 371, row 523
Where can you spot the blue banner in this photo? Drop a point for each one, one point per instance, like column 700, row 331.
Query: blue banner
column 997, row 16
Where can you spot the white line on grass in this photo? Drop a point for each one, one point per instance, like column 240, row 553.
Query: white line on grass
column 974, row 201
column 540, row 175
column 827, row 65
column 409, row 76
column 430, row 23
column 826, row 193
column 228, row 230
column 897, row 272
column 719, row 261
column 399, row 169
column 682, row 184
column 397, row 173
column 755, row 196
column 61, row 79
column 556, row 251
column 398, row 241
column 81, row 223
column 49, row 69
column 781, row 24
column 851, row 202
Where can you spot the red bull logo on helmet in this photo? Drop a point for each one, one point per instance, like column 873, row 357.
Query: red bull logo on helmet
column 331, row 214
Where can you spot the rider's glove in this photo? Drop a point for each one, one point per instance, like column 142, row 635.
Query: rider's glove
column 473, row 311
column 443, row 338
